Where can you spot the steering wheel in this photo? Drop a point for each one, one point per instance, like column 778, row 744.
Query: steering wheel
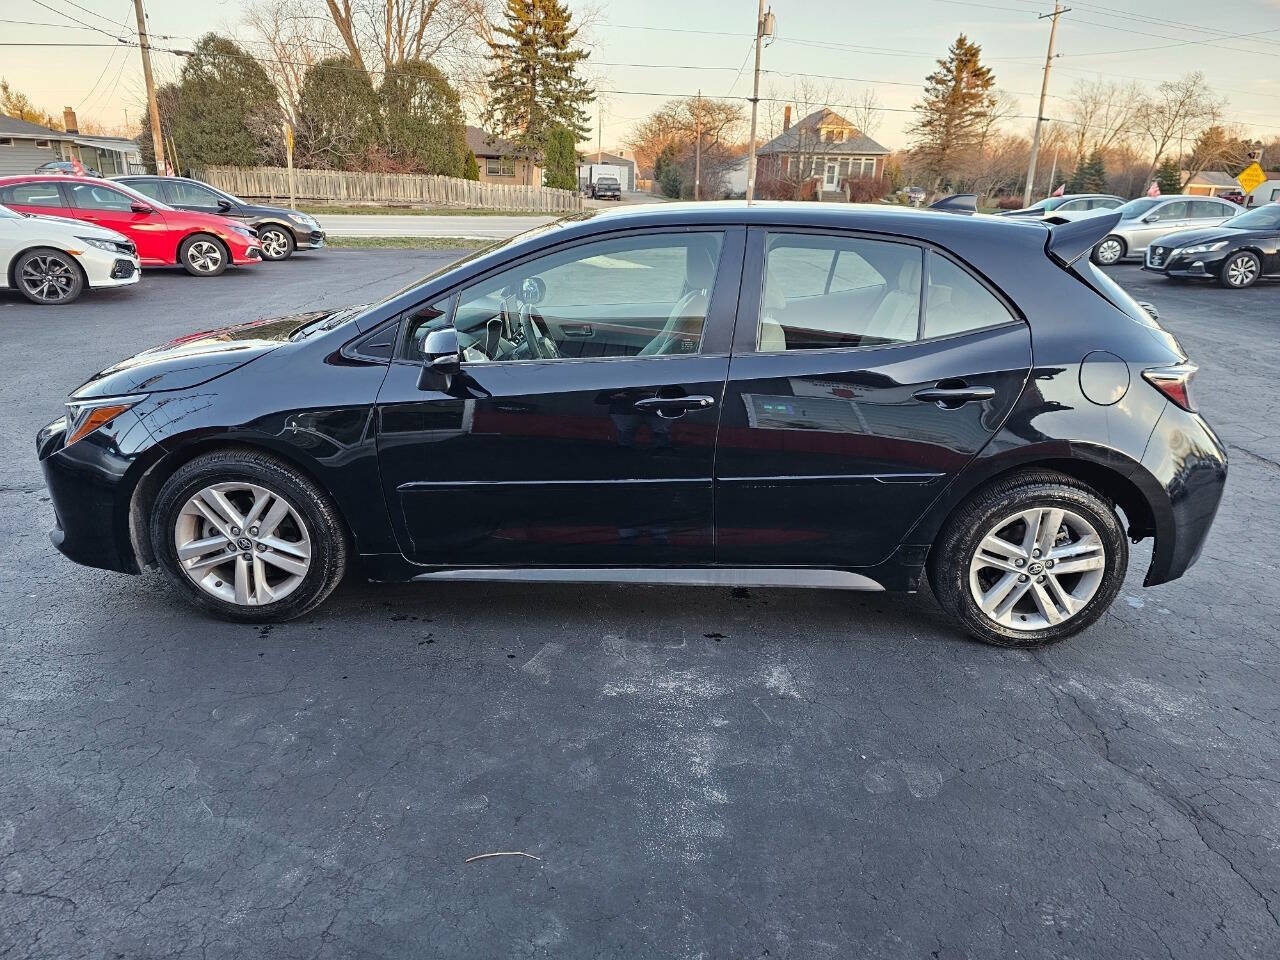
column 540, row 346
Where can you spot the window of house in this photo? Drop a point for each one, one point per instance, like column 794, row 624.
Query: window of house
column 6, row 141
column 43, row 145
column 958, row 303
column 500, row 166
column 824, row 292
column 621, row 297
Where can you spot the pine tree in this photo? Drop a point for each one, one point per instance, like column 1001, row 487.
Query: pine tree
column 561, row 159
column 1169, row 177
column 534, row 82
column 1090, row 175
column 959, row 98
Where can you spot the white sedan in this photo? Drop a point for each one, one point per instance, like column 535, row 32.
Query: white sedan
column 50, row 260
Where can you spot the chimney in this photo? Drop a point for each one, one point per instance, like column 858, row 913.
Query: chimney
column 786, row 117
column 69, row 120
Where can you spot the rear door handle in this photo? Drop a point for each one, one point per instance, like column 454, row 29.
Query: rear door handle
column 670, row 408
column 951, row 397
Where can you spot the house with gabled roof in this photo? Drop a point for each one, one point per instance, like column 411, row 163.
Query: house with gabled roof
column 824, row 147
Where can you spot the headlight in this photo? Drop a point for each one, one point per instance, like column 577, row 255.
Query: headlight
column 1205, row 247
column 304, row 219
column 110, row 245
column 86, row 416
column 245, row 231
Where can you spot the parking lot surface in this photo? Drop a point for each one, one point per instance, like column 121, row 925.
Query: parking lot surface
column 693, row 772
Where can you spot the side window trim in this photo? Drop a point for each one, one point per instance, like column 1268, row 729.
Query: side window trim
column 401, row 353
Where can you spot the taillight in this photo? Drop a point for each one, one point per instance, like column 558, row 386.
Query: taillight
column 1174, row 381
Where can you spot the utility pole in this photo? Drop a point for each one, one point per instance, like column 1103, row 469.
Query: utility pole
column 697, row 150
column 1058, row 10
column 157, row 141
column 764, row 28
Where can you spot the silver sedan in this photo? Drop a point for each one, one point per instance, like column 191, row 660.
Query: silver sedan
column 1146, row 219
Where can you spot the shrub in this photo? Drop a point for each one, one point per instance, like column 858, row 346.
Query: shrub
column 866, row 189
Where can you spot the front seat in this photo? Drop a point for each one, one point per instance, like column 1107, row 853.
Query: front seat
column 771, row 338
column 684, row 324
column 897, row 317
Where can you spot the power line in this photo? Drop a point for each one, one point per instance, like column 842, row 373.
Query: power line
column 63, row 13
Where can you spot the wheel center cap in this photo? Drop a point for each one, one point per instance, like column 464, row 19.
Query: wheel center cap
column 244, row 543
column 1035, row 569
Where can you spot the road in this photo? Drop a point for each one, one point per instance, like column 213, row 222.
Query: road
column 410, row 225
column 700, row 773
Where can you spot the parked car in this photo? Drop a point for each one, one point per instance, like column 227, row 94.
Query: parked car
column 204, row 244
column 65, row 167
column 606, row 188
column 708, row 393
column 1235, row 196
column 1070, row 206
column 1235, row 254
column 51, row 261
column 281, row 231
column 1148, row 218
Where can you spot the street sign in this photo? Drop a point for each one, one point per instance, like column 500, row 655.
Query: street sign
column 1251, row 177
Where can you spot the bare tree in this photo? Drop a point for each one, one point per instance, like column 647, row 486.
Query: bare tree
column 865, row 111
column 675, row 126
column 1180, row 110
column 295, row 38
column 1103, row 113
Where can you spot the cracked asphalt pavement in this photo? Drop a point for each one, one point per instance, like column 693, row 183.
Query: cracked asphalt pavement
column 700, row 773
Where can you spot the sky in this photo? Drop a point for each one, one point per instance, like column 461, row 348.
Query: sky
column 644, row 53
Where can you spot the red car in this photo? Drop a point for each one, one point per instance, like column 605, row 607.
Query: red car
column 204, row 243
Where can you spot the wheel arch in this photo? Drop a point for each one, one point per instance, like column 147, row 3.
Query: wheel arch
column 152, row 475
column 271, row 222
column 11, row 270
column 197, row 232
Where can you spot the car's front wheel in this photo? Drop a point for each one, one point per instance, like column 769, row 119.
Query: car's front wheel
column 1030, row 559
column 277, row 242
column 48, row 277
column 248, row 537
column 203, row 256
column 1240, row 270
column 1109, row 251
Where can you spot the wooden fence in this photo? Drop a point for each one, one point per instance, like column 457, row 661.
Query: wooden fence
column 339, row 186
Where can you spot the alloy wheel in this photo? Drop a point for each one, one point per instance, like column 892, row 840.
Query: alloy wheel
column 1037, row 568
column 274, row 244
column 1110, row 251
column 48, row 279
column 1242, row 271
column 204, row 256
column 242, row 543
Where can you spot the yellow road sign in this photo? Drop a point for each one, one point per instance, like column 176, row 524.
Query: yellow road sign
column 1251, row 177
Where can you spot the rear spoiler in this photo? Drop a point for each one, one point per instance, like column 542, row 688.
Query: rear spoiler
column 1069, row 240
column 963, row 203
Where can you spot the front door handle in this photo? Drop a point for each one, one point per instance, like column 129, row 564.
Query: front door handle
column 669, row 408
column 951, row 397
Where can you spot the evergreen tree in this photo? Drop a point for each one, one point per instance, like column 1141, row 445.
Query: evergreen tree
column 471, row 168
column 339, row 123
column 666, row 170
column 1090, row 175
column 534, row 83
column 562, row 159
column 959, row 98
column 422, row 118
column 1169, row 177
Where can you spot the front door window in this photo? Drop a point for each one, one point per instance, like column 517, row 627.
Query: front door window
column 831, row 174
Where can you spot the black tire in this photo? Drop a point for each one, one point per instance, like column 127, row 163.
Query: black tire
column 60, row 280
column 1240, row 270
column 1097, row 257
column 199, row 260
column 956, row 545
column 283, row 249
column 325, row 529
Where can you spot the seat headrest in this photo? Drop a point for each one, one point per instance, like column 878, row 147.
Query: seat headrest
column 700, row 265
column 773, row 298
column 909, row 275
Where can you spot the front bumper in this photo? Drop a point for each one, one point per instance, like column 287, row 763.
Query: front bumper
column 1189, row 463
column 1174, row 263
column 104, row 268
column 312, row 240
column 90, row 485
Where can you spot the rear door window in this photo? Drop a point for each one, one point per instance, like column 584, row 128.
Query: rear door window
column 33, row 195
column 957, row 302
column 824, row 292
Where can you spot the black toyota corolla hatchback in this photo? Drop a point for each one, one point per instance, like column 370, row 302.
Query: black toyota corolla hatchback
column 796, row 395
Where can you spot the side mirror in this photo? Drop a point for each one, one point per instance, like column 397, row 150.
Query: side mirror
column 1151, row 218
column 224, row 205
column 440, row 358
column 138, row 207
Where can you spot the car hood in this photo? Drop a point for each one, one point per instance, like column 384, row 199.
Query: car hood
column 81, row 228
column 194, row 359
column 1185, row 238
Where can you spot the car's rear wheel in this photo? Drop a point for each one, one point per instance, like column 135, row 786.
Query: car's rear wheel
column 1109, row 251
column 203, row 255
column 47, row 277
column 1030, row 559
column 248, row 537
column 1240, row 270
column 277, row 242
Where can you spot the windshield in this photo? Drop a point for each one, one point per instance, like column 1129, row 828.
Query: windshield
column 7, row 214
column 1261, row 218
column 1136, row 208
